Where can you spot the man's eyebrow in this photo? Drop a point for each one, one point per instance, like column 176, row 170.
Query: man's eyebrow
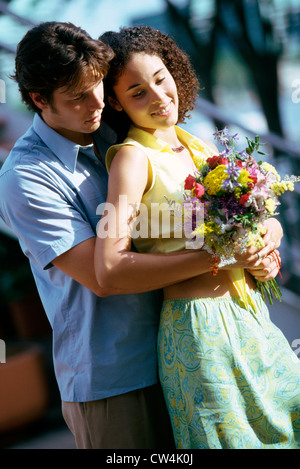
column 75, row 93
column 139, row 84
column 71, row 94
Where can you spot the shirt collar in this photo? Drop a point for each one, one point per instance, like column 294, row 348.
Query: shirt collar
column 159, row 145
column 66, row 150
column 62, row 147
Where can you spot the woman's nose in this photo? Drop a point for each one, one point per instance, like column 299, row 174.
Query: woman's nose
column 157, row 94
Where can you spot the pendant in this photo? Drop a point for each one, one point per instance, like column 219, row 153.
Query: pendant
column 178, row 149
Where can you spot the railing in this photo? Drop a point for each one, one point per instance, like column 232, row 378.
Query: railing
column 218, row 114
column 4, row 9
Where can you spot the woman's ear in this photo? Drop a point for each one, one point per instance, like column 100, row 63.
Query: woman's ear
column 114, row 103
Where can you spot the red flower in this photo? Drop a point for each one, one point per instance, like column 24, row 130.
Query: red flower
column 239, row 164
column 244, row 198
column 198, row 190
column 189, row 183
column 254, row 179
column 213, row 161
column 223, row 160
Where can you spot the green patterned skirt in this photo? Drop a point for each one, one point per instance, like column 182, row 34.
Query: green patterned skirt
column 229, row 376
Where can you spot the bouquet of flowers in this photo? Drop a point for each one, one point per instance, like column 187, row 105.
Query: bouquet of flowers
column 238, row 194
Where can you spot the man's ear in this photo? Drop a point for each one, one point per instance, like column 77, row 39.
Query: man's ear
column 114, row 103
column 39, row 101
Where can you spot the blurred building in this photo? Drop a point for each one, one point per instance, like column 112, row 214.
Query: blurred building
column 247, row 56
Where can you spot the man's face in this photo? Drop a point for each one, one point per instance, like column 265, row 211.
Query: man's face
column 75, row 114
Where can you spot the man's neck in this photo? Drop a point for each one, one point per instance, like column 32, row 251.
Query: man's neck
column 79, row 138
column 84, row 139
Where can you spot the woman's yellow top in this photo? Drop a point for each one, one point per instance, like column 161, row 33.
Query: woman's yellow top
column 159, row 224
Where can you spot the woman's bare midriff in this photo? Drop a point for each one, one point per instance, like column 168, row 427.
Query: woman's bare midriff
column 207, row 286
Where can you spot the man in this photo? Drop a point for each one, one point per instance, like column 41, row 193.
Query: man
column 51, row 186
column 104, row 340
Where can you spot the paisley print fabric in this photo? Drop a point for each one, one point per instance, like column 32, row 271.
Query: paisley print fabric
column 229, row 376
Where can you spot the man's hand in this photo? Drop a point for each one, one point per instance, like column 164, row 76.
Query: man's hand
column 274, row 232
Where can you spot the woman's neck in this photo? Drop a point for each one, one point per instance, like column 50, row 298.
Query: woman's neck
column 167, row 135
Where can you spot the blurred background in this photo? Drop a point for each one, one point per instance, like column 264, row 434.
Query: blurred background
column 247, row 56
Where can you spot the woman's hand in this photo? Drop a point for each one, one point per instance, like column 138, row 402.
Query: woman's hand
column 261, row 263
column 267, row 268
column 268, row 265
column 252, row 258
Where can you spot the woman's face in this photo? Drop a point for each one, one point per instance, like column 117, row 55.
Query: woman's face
column 147, row 93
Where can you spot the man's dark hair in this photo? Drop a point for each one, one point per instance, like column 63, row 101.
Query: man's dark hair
column 53, row 55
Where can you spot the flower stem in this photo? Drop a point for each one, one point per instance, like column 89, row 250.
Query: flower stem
column 269, row 289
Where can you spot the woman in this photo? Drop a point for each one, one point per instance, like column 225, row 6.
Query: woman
column 224, row 369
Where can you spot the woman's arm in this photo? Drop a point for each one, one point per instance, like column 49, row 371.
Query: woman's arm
column 115, row 264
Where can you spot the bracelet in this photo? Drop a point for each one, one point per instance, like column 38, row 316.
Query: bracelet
column 277, row 260
column 221, row 261
column 215, row 265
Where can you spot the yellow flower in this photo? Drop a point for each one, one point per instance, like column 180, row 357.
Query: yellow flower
column 213, row 181
column 244, row 178
column 280, row 187
column 207, row 230
column 237, row 192
column 255, row 239
column 270, row 205
column 211, row 228
column 290, row 186
column 199, row 162
column 269, row 168
column 199, row 230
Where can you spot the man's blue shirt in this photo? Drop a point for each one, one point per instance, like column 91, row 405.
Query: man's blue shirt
column 50, row 189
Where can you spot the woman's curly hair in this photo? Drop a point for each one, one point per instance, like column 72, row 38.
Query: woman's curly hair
column 150, row 41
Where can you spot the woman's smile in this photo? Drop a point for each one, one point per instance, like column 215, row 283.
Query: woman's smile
column 163, row 111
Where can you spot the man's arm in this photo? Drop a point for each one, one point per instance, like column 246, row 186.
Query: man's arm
column 274, row 232
column 161, row 270
column 78, row 263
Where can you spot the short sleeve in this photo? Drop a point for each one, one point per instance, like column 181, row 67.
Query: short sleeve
column 41, row 214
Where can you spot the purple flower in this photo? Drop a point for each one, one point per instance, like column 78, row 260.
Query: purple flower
column 223, row 136
column 233, row 173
